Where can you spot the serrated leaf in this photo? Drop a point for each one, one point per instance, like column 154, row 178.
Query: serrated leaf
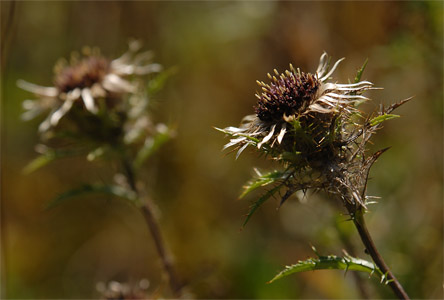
column 151, row 145
column 328, row 263
column 261, row 201
column 379, row 119
column 262, row 180
column 86, row 189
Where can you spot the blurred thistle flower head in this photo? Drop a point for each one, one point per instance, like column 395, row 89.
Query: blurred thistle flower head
column 86, row 81
column 117, row 290
column 292, row 100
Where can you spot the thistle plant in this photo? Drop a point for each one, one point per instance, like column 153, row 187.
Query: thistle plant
column 99, row 108
column 312, row 127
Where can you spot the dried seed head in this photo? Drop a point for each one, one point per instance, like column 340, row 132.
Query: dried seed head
column 289, row 94
column 82, row 74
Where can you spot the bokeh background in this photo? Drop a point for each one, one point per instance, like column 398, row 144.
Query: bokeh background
column 219, row 50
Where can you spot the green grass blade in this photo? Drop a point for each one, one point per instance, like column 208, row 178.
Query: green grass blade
column 87, row 189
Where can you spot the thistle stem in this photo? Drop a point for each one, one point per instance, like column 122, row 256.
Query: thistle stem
column 359, row 221
column 154, row 228
column 360, row 283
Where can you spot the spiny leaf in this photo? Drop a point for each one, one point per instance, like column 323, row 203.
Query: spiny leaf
column 262, row 180
column 86, row 189
column 396, row 105
column 360, row 71
column 260, row 201
column 379, row 119
column 330, row 262
column 151, row 145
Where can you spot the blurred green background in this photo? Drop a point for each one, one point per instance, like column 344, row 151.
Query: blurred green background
column 220, row 49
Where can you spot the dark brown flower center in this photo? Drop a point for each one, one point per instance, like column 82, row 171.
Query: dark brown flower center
column 85, row 73
column 289, row 94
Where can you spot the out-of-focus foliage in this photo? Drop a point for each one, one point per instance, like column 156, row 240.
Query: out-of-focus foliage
column 219, row 50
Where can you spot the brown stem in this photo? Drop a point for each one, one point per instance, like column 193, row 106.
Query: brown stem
column 359, row 221
column 147, row 211
column 167, row 263
column 3, row 247
column 7, row 33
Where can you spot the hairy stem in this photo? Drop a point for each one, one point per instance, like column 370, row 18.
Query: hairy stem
column 359, row 221
column 154, row 228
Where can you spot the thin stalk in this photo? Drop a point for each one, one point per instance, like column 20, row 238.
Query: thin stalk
column 359, row 221
column 7, row 34
column 3, row 248
column 360, row 283
column 154, row 228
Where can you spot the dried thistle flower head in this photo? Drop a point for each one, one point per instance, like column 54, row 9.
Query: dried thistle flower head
column 294, row 96
column 85, row 81
column 291, row 94
column 312, row 126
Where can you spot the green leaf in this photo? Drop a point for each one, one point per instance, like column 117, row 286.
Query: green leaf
column 261, row 201
column 262, row 180
column 251, row 138
column 379, row 119
column 86, row 189
column 296, row 124
column 151, row 145
column 331, row 262
column 38, row 163
column 158, row 82
column 48, row 156
column 360, row 71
